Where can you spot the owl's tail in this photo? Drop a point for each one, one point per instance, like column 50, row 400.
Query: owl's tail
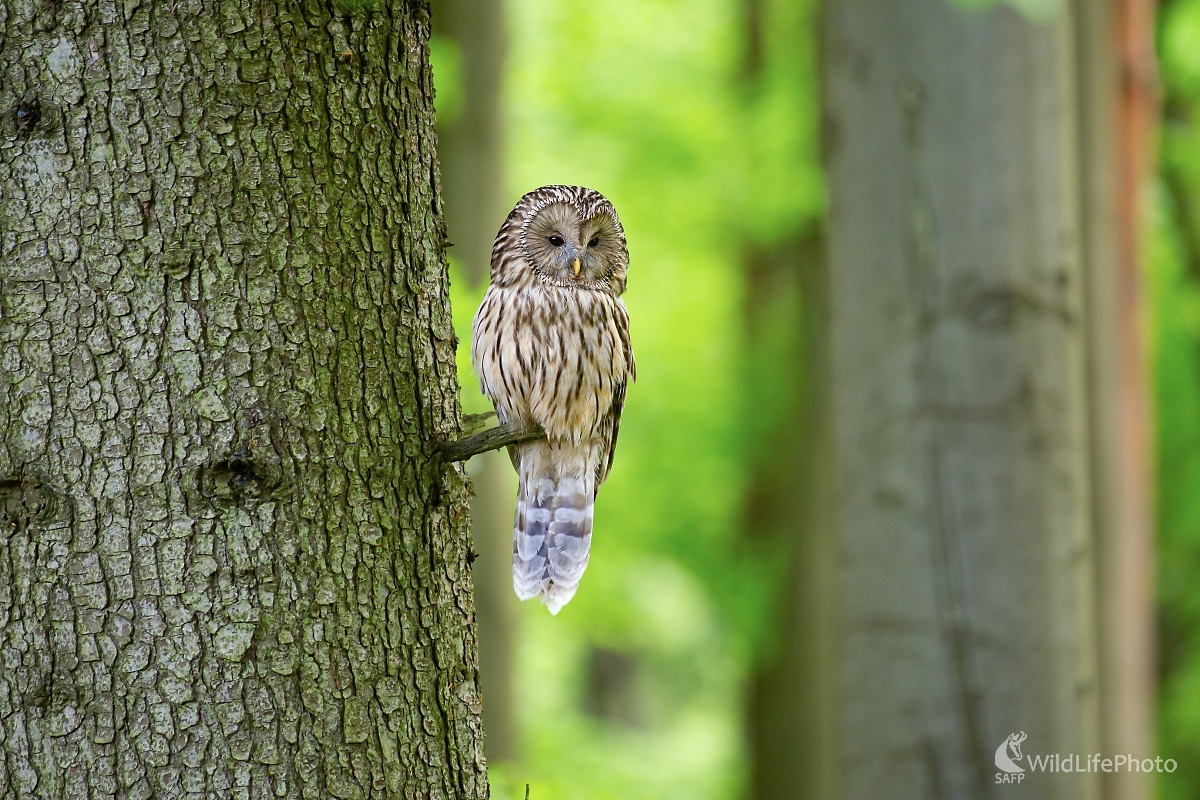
column 553, row 529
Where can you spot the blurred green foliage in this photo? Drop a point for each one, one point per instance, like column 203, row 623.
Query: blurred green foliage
column 701, row 129
column 445, row 57
column 1175, row 288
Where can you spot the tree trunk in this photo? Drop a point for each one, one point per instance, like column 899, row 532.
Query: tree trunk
column 791, row 704
column 472, row 144
column 228, row 565
column 1118, row 106
column 964, row 439
column 470, row 151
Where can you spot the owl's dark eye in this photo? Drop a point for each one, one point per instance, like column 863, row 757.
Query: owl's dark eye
column 595, row 240
column 556, row 240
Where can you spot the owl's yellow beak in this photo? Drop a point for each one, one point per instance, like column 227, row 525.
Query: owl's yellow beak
column 575, row 266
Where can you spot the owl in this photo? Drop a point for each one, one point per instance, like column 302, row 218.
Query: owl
column 550, row 344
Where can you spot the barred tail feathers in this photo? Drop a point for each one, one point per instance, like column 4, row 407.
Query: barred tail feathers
column 552, row 533
column 531, row 530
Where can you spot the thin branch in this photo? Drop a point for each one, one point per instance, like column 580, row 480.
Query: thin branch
column 491, row 439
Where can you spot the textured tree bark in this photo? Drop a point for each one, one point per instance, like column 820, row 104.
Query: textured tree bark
column 230, row 565
column 964, row 437
column 470, row 150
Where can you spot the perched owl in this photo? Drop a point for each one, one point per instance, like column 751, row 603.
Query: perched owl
column 550, row 344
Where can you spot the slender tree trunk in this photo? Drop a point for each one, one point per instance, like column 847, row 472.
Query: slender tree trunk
column 1118, row 106
column 470, row 151
column 791, row 705
column 472, row 144
column 228, row 565
column 965, row 442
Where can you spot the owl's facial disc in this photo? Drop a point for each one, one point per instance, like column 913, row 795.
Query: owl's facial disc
column 569, row 250
column 549, row 240
column 600, row 246
column 552, row 242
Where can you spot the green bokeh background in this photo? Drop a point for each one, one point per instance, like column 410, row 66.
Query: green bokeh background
column 1174, row 279
column 706, row 157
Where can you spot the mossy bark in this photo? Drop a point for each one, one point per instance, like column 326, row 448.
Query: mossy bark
column 229, row 565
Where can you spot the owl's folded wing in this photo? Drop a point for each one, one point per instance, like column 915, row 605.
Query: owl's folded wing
column 611, row 425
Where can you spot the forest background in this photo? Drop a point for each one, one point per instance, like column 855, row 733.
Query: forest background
column 700, row 121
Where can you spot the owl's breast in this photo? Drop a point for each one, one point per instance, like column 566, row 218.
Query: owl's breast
column 551, row 355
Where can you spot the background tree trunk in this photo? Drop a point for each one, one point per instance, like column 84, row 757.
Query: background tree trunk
column 471, row 145
column 228, row 567
column 1118, row 109
column 963, row 288
column 470, row 152
column 792, row 705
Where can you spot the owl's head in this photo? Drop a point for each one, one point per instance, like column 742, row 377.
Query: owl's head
column 568, row 236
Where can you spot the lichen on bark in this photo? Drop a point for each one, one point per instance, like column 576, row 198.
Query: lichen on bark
column 230, row 563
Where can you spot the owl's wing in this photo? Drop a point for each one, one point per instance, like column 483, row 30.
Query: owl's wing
column 612, row 422
column 609, row 430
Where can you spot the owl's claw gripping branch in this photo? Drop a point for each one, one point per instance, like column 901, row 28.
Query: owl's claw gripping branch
column 491, row 439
